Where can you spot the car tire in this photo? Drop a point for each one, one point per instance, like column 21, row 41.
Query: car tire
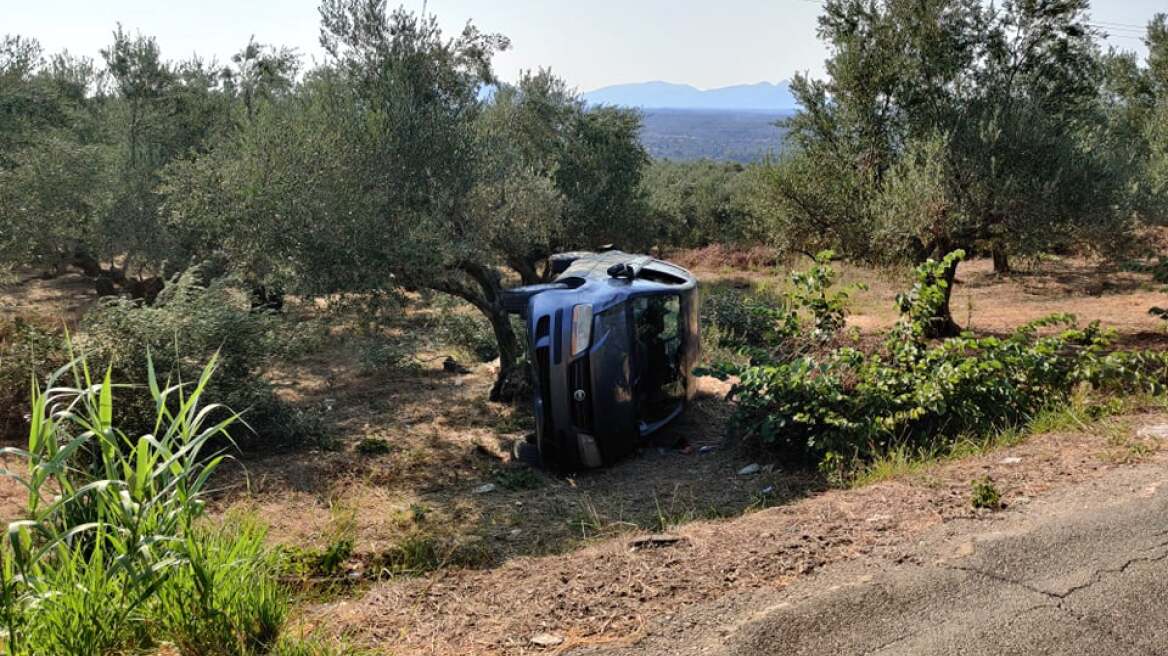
column 527, row 453
column 560, row 262
column 515, row 300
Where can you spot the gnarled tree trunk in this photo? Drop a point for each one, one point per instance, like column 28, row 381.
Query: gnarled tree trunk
column 942, row 323
column 511, row 382
column 1001, row 259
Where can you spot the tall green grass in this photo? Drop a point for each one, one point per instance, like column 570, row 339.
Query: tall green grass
column 113, row 554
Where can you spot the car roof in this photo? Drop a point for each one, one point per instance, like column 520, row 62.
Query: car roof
column 591, row 282
column 595, row 266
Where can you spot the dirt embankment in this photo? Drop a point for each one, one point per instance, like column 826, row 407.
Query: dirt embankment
column 615, row 593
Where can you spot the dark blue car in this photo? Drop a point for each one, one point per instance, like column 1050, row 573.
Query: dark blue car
column 612, row 341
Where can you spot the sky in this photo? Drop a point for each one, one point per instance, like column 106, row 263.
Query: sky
column 591, row 43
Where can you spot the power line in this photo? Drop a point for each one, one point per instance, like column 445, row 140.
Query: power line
column 1111, row 24
column 1118, row 30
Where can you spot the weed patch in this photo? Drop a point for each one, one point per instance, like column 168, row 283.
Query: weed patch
column 111, row 556
column 373, row 446
column 519, row 478
column 28, row 352
column 186, row 325
column 985, row 495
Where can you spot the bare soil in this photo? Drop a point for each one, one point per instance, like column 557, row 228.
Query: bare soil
column 986, row 302
column 545, row 553
column 58, row 301
column 611, row 593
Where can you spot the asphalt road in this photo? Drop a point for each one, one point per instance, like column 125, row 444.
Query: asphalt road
column 1083, row 572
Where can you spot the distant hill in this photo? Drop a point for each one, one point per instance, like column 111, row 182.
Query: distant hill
column 764, row 96
column 686, row 134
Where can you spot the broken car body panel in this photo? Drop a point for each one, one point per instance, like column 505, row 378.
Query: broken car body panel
column 612, row 342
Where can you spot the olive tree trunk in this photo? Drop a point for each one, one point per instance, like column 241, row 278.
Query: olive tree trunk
column 941, row 324
column 1001, row 259
column 511, row 382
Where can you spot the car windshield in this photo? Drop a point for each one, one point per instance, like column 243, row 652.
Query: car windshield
column 659, row 384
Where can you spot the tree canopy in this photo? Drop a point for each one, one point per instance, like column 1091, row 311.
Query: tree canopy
column 946, row 124
column 392, row 167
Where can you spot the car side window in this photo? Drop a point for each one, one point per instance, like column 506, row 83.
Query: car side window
column 657, row 318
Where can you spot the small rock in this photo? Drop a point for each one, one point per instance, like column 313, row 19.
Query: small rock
column 750, row 470
column 546, row 640
column 770, row 489
column 515, row 532
column 450, row 365
column 1158, row 431
column 707, row 448
column 1012, row 460
column 485, row 488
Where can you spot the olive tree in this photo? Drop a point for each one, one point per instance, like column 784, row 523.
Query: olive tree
column 987, row 116
column 387, row 169
column 54, row 166
column 86, row 146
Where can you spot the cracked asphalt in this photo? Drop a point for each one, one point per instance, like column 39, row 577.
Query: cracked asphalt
column 1084, row 571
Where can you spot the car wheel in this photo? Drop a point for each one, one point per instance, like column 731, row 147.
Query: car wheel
column 515, row 300
column 526, row 452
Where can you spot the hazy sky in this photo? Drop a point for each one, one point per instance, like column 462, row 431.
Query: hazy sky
column 590, row 43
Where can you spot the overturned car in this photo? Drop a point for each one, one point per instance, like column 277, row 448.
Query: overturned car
column 612, row 340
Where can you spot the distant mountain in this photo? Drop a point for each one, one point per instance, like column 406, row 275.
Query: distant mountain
column 761, row 97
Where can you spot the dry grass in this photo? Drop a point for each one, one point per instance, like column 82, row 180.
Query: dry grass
column 559, row 550
column 608, row 591
column 990, row 303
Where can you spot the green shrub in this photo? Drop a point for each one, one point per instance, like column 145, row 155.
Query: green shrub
column 808, row 317
column 744, row 320
column 28, row 353
column 846, row 406
column 811, row 291
column 471, row 332
column 924, row 307
column 109, row 556
column 182, row 329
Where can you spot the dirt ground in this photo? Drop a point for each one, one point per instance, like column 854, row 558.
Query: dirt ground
column 53, row 301
column 540, row 553
column 616, row 593
column 983, row 301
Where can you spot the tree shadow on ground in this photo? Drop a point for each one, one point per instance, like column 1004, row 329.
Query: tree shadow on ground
column 428, row 487
column 1071, row 278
